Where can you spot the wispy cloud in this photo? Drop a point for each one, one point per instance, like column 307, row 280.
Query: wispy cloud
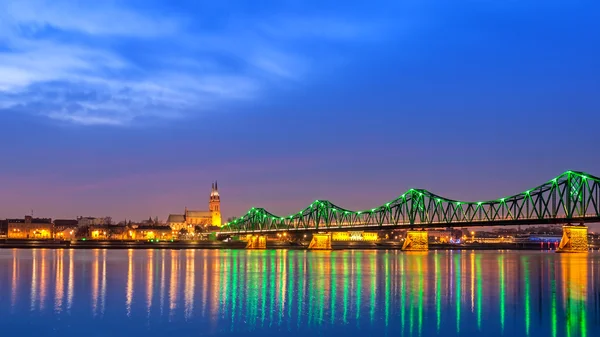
column 89, row 17
column 104, row 63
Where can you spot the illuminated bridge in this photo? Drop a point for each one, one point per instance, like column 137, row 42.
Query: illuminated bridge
column 571, row 198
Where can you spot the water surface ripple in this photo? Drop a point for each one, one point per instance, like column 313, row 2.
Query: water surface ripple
column 46, row 292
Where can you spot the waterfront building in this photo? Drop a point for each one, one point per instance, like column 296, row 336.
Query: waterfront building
column 158, row 233
column 30, row 228
column 3, row 228
column 65, row 229
column 442, row 235
column 189, row 219
column 92, row 221
column 108, row 232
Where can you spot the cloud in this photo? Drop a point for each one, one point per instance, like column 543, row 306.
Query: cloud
column 104, row 63
column 89, row 17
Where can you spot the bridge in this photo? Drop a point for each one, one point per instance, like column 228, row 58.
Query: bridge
column 570, row 198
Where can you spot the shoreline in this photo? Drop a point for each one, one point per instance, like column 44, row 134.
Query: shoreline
column 178, row 245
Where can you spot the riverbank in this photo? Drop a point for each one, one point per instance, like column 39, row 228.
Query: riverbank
column 383, row 245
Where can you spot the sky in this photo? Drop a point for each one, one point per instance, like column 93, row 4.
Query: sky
column 132, row 109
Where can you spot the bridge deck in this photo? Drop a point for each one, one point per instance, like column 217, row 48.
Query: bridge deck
column 519, row 222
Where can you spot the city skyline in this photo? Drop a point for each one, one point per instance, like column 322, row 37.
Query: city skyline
column 129, row 112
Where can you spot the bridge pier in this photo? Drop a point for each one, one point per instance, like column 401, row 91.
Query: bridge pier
column 574, row 239
column 256, row 242
column 320, row 241
column 416, row 241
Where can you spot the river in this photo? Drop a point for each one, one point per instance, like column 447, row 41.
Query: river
column 60, row 292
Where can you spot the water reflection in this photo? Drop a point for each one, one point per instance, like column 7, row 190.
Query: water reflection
column 262, row 292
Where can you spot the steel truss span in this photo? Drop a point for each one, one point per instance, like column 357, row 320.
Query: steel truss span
column 572, row 197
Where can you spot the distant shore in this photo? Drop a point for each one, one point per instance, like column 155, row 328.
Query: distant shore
column 385, row 245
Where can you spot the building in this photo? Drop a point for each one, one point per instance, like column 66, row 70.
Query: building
column 3, row 228
column 30, row 228
column 92, row 221
column 108, row 232
column 65, row 229
column 190, row 219
column 158, row 233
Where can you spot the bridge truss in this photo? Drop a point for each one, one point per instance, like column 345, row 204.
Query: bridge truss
column 572, row 197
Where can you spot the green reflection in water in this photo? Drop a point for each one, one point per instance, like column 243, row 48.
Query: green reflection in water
column 411, row 308
column 373, row 269
column 322, row 291
column 502, row 295
column 265, row 280
column 358, row 284
column 479, row 292
column 333, row 292
column 387, row 289
column 309, row 290
column 234, row 291
column 438, row 290
column 421, row 292
column 290, row 284
column 302, row 285
column 252, row 300
column 553, row 310
column 346, row 289
column 224, row 279
column 280, row 287
column 272, row 275
column 583, row 326
column 457, row 290
column 527, row 295
column 402, row 292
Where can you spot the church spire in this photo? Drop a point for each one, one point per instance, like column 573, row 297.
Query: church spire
column 216, row 188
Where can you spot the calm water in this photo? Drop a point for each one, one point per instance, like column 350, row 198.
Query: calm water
column 197, row 293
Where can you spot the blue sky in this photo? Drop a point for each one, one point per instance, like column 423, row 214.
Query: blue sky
column 132, row 108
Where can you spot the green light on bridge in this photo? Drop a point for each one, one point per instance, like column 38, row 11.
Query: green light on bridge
column 252, row 219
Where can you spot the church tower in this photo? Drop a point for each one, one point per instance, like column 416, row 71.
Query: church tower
column 214, row 205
